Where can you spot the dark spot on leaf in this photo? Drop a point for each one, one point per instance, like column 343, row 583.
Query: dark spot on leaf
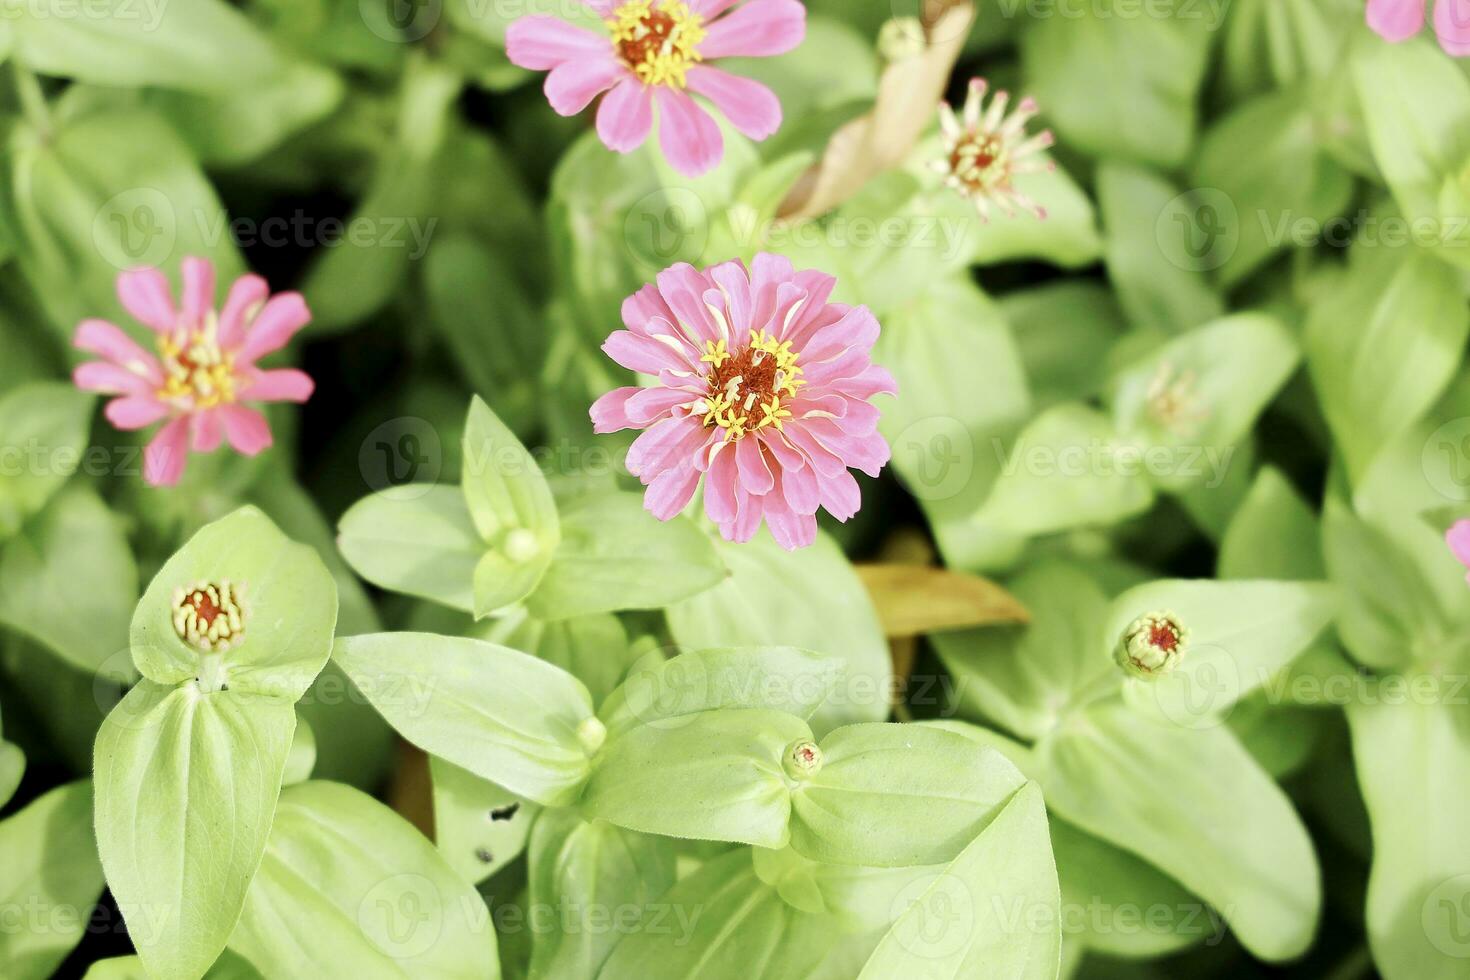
column 504, row 812
column 484, row 855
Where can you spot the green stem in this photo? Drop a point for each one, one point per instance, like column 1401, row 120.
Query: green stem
column 32, row 98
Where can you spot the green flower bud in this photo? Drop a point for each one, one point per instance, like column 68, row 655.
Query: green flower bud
column 591, row 733
column 902, row 38
column 803, row 759
column 1152, row 645
column 521, row 546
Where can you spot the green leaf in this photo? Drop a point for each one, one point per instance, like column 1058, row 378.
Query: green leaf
column 1285, row 179
column 1418, row 143
column 302, row 758
column 1384, row 346
column 511, row 505
column 614, row 555
column 230, row 966
column 1241, row 635
column 995, row 910
column 51, row 870
column 1028, row 678
column 1197, row 806
column 1120, row 86
column 597, row 872
column 878, row 782
column 1275, row 43
column 288, row 601
column 186, row 787
column 479, row 827
column 12, row 768
column 333, row 896
column 203, row 45
column 716, row 775
column 1413, row 764
column 810, row 599
column 417, row 539
column 593, row 649
column 776, row 678
column 1156, row 293
column 1064, row 331
column 1067, row 469
column 69, row 581
column 502, row 714
column 1274, row 534
column 723, row 923
column 43, row 427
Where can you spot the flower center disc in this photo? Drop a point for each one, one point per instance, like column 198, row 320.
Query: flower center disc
column 976, row 161
column 210, row 617
column 1162, row 636
column 746, row 387
column 196, row 373
column 659, row 43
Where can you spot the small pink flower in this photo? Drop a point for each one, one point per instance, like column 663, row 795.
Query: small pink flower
column 985, row 150
column 204, row 369
column 1399, row 20
column 763, row 390
column 655, row 53
column 1458, row 538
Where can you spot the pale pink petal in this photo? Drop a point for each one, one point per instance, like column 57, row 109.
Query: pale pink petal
column 135, row 412
column 275, row 325
column 719, row 486
column 603, row 7
column 244, row 301
column 279, row 385
column 849, row 364
column 541, row 42
column 816, row 311
column 651, row 404
column 671, row 491
column 734, row 292
column 872, row 380
column 750, row 106
column 248, row 431
column 197, row 299
column 1452, row 26
column 690, row 138
column 573, row 85
column 643, row 306
column 1458, row 538
column 747, row 518
column 818, row 456
column 146, row 295
column 164, row 457
column 790, row 529
column 801, row 489
column 1396, row 20
column 206, row 430
column 110, row 341
column 755, row 474
column 683, row 287
column 668, row 443
column 610, row 412
column 840, row 495
column 638, row 353
column 859, row 418
column 758, row 29
column 625, row 117
column 768, row 272
column 110, row 379
column 709, row 9
column 859, row 328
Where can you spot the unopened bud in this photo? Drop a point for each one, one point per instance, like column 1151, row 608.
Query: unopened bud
column 1152, row 645
column 591, row 733
column 803, row 759
column 521, row 546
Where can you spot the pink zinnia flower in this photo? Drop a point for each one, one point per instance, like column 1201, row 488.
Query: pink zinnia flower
column 1399, row 20
column 1458, row 538
column 985, row 150
column 655, row 52
column 763, row 390
column 204, row 369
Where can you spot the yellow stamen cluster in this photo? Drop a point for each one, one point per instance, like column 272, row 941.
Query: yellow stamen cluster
column 196, row 372
column 209, row 616
column 658, row 39
column 746, row 387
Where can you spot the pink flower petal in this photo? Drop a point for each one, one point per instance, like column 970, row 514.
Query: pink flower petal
column 1458, row 538
column 146, row 295
column 206, row 430
column 768, row 273
column 1396, row 20
column 759, row 29
column 610, row 412
column 248, row 431
column 872, row 380
column 242, row 305
column 748, row 511
column 573, row 85
column 683, row 287
column 750, row 106
column 135, row 412
column 791, row 530
column 690, row 138
column 671, row 491
column 274, row 326
column 639, row 353
column 1452, row 26
column 840, row 495
column 816, row 311
column 541, row 42
column 755, row 475
column 109, row 379
column 734, row 289
column 651, row 404
column 110, row 341
column 671, row 442
column 801, row 489
column 164, row 457
column 625, row 117
column 643, row 306
column 710, row 9
column 858, row 329
column 198, row 293
column 279, row 385
column 719, row 486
